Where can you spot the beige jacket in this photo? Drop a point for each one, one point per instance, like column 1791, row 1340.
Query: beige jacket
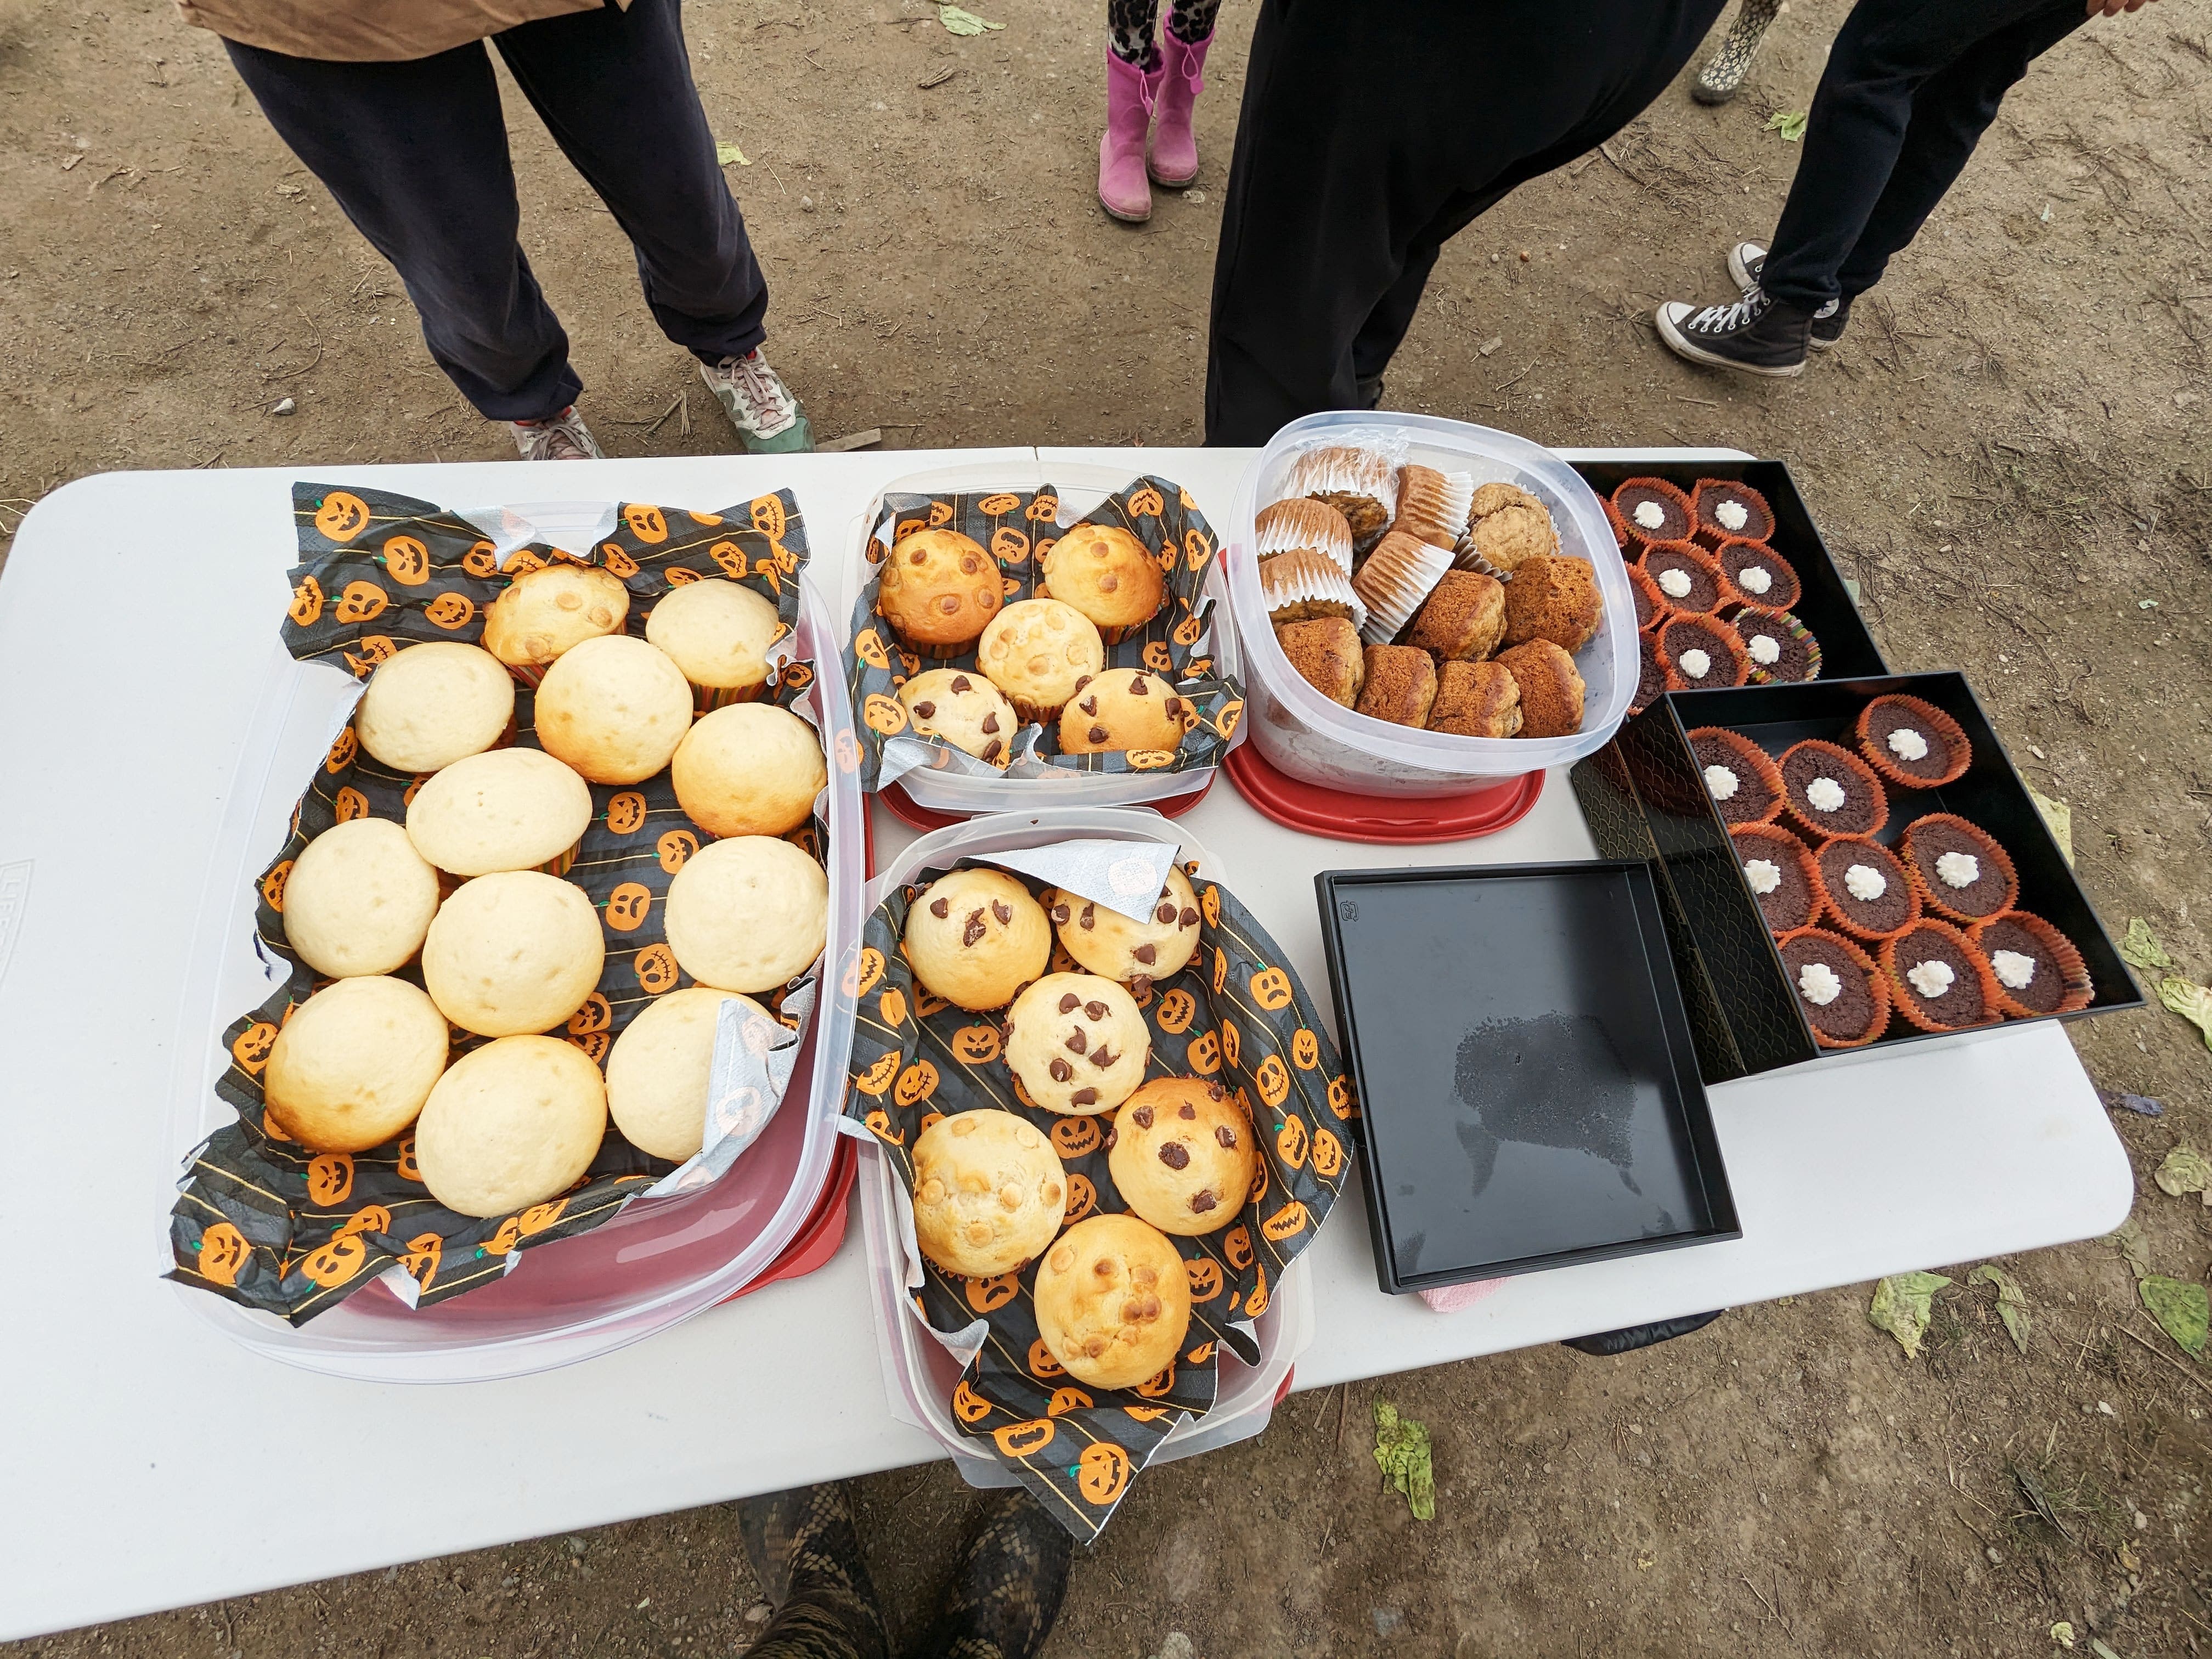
column 369, row 31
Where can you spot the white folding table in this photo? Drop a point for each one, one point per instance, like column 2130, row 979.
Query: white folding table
column 136, row 610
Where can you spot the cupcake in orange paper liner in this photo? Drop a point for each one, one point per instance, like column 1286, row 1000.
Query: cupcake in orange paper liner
column 1937, row 979
column 2036, row 969
column 1686, row 576
column 1701, row 652
column 1779, row 870
column 1753, row 573
column 1726, row 510
column 1913, row 744
column 1742, row 779
column 1843, row 996
column 1652, row 510
column 1866, row 887
column 1831, row 791
column 1962, row 872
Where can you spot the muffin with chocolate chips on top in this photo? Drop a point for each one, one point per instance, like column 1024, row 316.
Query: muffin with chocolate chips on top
column 976, row 937
column 1108, row 944
column 965, row 709
column 1123, row 709
column 1076, row 1043
column 1183, row 1155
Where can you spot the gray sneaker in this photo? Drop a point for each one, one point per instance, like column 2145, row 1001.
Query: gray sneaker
column 563, row 438
column 767, row 417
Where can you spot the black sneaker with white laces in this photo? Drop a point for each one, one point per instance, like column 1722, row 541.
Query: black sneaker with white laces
column 1746, row 260
column 1755, row 335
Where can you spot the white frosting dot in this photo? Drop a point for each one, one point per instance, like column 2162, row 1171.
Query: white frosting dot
column 1673, row 583
column 1865, row 883
column 2015, row 972
column 1650, row 514
column 1720, row 782
column 1906, row 743
column 1695, row 663
column 1958, row 869
column 1764, row 875
column 1931, row 979
column 1755, row 579
column 1764, row 651
column 1733, row 515
column 1818, row 984
column 1825, row 795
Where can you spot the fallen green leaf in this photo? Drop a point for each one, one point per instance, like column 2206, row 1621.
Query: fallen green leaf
column 724, row 154
column 2189, row 999
column 2129, row 1239
column 1790, row 123
column 1901, row 1305
column 2185, row 1170
column 2063, row 1633
column 2059, row 819
column 958, row 21
column 2012, row 1302
column 2183, row 1311
column 1402, row 1452
column 2141, row 946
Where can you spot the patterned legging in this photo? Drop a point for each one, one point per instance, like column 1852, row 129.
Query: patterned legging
column 1130, row 24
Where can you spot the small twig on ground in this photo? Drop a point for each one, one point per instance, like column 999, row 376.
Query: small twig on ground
column 1769, row 1607
column 2164, row 1360
column 1343, row 1401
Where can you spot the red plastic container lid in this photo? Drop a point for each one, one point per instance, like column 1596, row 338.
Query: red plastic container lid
column 903, row 806
column 1386, row 819
column 824, row 1230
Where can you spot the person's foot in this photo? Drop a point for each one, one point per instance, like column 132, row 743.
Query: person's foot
column 1746, row 260
column 803, row 1550
column 768, row 417
column 1006, row 1591
column 1173, row 158
column 1723, row 72
column 563, row 438
column 1755, row 335
column 1131, row 93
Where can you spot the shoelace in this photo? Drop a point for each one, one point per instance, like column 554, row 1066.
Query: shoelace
column 1719, row 319
column 560, row 439
column 767, row 405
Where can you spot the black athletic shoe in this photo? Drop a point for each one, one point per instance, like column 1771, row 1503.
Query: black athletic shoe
column 1753, row 336
column 1746, row 260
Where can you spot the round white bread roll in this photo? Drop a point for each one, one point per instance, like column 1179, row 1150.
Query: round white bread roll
column 434, row 704
column 513, row 1124
column 614, row 708
column 658, row 1073
column 988, row 1193
column 748, row 914
column 512, row 953
column 718, row 633
column 1113, row 1302
column 543, row 614
column 359, row 899
column 976, row 937
column 750, row 769
column 354, row 1064
column 511, row 809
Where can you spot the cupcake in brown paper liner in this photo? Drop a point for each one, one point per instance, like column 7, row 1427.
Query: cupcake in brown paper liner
column 1653, row 511
column 1394, row 580
column 1781, row 649
column 1360, row 482
column 1725, row 510
column 1845, row 996
column 1701, row 652
column 1303, row 523
column 1779, row 870
column 719, row 635
column 1303, row 584
column 1937, row 980
column 1963, row 874
column 1866, row 887
column 1686, row 576
column 1433, row 505
column 1651, row 605
column 1741, row 779
column 1504, row 524
column 1829, row 791
column 1912, row 742
column 1753, row 573
column 2036, row 969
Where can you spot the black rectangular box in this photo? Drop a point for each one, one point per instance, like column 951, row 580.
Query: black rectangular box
column 1528, row 1086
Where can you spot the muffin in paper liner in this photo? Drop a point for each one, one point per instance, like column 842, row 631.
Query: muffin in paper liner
column 270, row 1223
column 1874, row 979
column 1952, row 1010
column 2060, row 983
column 1714, row 501
column 1650, row 671
column 1791, row 656
column 1900, row 896
column 1677, row 518
column 1303, row 583
column 1303, row 523
column 1236, row 1015
column 1356, row 473
column 1651, row 605
column 1688, row 568
column 1787, row 853
column 1433, row 505
column 1679, row 635
column 1619, row 529
column 1504, row 524
column 1714, row 746
column 1922, row 848
column 1744, row 564
column 1394, row 580
column 1950, row 751
column 1839, row 763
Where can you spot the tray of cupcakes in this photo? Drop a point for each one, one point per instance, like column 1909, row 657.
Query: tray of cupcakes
column 1017, row 642
column 529, row 964
column 1108, row 1124
column 1848, row 864
column 1427, row 608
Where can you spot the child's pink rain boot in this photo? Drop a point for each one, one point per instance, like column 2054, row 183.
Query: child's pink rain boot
column 1175, row 146
column 1129, row 95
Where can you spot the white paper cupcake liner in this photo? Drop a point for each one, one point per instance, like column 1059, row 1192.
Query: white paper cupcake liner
column 1434, row 505
column 1302, row 576
column 1399, row 575
column 1290, row 525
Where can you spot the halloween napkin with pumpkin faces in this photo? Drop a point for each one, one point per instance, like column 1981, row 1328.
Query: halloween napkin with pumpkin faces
column 276, row 1225
column 1237, row 1016
column 1018, row 528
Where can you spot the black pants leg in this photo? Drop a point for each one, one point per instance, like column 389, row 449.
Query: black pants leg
column 1370, row 135
column 1910, row 87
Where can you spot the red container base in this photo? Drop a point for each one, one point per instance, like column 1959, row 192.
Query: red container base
column 1383, row 818
column 902, row 806
column 817, row 1241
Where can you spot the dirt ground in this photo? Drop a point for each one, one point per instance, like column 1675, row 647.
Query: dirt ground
column 2007, row 451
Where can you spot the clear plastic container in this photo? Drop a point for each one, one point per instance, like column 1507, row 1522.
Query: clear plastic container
column 1309, row 736
column 919, row 1371
column 1081, row 488
column 659, row 1260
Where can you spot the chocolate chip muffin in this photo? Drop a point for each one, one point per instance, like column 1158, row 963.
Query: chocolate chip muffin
column 1112, row 945
column 1076, row 1043
column 1121, row 710
column 964, row 709
column 1183, row 1155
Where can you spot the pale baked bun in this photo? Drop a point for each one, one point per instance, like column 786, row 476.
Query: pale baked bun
column 434, row 704
column 1107, row 573
column 1037, row 651
column 510, row 809
column 359, row 899
column 937, row 589
column 718, row 633
column 962, row 705
column 748, row 914
column 753, row 768
column 544, row 613
column 1113, row 1302
column 354, row 1064
column 988, row 1193
column 976, row 937
column 512, row 1124
column 1076, row 1043
column 658, row 1071
column 512, row 953
column 1183, row 1155
column 1108, row 944
column 614, row 708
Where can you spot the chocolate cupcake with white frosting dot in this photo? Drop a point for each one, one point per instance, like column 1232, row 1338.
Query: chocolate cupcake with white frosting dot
column 1756, row 574
column 1962, row 872
column 1781, row 649
column 1865, row 889
column 2036, row 967
column 1937, row 980
column 1779, row 870
column 1740, row 777
column 1913, row 743
column 1686, row 576
column 1726, row 510
column 1652, row 510
column 1830, row 791
column 1702, row 652
column 1843, row 996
